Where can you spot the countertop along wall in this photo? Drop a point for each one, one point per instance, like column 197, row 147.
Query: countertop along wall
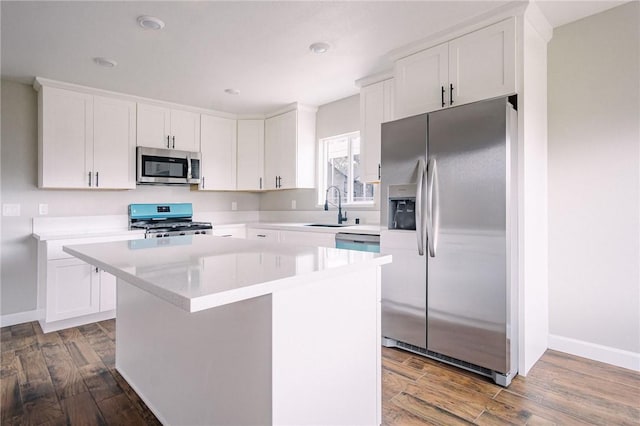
column 19, row 185
column 594, row 187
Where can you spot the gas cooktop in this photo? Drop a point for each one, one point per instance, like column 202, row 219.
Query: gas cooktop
column 166, row 220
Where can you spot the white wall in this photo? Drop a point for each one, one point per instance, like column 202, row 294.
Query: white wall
column 594, row 187
column 19, row 185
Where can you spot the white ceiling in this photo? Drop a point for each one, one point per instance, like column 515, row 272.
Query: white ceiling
column 259, row 48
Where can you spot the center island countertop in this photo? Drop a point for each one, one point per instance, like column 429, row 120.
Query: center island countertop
column 200, row 272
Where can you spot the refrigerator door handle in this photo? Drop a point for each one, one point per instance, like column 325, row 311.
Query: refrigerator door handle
column 432, row 206
column 419, row 214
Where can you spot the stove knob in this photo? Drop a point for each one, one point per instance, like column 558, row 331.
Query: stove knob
column 182, row 233
column 165, row 235
column 197, row 232
column 158, row 235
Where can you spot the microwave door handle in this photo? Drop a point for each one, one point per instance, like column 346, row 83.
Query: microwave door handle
column 189, row 166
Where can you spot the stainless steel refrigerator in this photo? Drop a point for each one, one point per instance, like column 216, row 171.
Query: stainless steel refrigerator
column 448, row 201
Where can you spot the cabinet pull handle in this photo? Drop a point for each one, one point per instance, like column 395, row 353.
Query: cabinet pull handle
column 276, row 181
column 174, row 142
column 260, row 183
column 379, row 171
column 261, row 235
column 96, row 269
column 442, row 96
column 168, row 143
column 279, row 181
column 203, row 182
column 89, row 179
column 97, row 179
column 450, row 94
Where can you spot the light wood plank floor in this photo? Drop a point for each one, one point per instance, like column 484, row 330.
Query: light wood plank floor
column 69, row 377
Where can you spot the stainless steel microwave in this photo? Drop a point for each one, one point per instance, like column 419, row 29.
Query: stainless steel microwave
column 167, row 166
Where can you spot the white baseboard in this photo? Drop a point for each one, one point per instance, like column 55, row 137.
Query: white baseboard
column 19, row 318
column 607, row 354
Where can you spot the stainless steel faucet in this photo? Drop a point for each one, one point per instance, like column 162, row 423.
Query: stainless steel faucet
column 341, row 218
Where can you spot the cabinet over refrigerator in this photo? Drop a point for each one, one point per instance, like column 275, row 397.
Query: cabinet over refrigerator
column 449, row 209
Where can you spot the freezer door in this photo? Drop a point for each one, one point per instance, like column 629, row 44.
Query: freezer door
column 467, row 271
column 404, row 289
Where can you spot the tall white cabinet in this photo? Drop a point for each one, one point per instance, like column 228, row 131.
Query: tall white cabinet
column 84, row 140
column 250, row 160
column 218, row 153
column 290, row 149
column 376, row 107
column 170, row 128
column 476, row 66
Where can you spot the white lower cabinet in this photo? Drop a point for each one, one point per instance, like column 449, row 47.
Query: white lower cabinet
column 263, row 234
column 72, row 289
column 72, row 292
column 75, row 288
column 304, row 238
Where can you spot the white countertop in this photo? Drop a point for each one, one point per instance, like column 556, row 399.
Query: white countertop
column 295, row 226
column 76, row 234
column 202, row 272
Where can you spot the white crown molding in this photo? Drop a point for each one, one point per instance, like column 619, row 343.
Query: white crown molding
column 509, row 10
column 374, row 78
column 291, row 107
column 538, row 21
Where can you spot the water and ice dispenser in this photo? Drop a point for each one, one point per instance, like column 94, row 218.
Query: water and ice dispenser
column 402, row 207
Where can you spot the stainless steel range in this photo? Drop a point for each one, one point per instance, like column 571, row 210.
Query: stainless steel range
column 166, row 220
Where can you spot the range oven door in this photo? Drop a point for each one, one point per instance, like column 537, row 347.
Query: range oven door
column 167, row 166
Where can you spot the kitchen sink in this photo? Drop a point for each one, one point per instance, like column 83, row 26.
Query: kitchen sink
column 327, row 225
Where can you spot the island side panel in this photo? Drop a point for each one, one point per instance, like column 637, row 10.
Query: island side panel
column 210, row 367
column 326, row 351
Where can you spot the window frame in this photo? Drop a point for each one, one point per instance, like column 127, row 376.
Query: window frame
column 322, row 170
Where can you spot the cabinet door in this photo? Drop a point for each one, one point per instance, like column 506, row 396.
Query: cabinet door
column 419, row 80
column 482, row 64
column 65, row 141
column 371, row 117
column 185, row 128
column 153, row 126
column 114, row 141
column 250, row 155
column 281, row 135
column 108, row 287
column 72, row 289
column 218, row 150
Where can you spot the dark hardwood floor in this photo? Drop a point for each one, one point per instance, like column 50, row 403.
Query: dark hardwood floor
column 69, row 377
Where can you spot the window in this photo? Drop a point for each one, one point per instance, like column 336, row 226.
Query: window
column 340, row 167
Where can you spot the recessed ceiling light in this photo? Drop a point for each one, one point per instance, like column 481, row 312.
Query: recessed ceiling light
column 105, row 62
column 150, row 22
column 319, row 47
column 232, row 91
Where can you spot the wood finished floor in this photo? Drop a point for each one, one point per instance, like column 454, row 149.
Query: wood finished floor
column 69, row 377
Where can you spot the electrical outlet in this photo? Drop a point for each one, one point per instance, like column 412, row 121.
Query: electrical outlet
column 11, row 210
column 234, row 205
column 293, row 204
column 43, row 209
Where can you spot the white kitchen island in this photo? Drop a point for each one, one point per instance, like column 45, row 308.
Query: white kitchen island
column 221, row 331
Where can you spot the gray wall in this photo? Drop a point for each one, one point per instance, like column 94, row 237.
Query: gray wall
column 594, row 179
column 19, row 185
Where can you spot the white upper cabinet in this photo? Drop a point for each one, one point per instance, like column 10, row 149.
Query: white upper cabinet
column 290, row 150
column 65, row 138
column 114, row 143
column 162, row 127
column 250, row 155
column 420, row 81
column 376, row 107
column 482, row 64
column 85, row 141
column 476, row 66
column 218, row 150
